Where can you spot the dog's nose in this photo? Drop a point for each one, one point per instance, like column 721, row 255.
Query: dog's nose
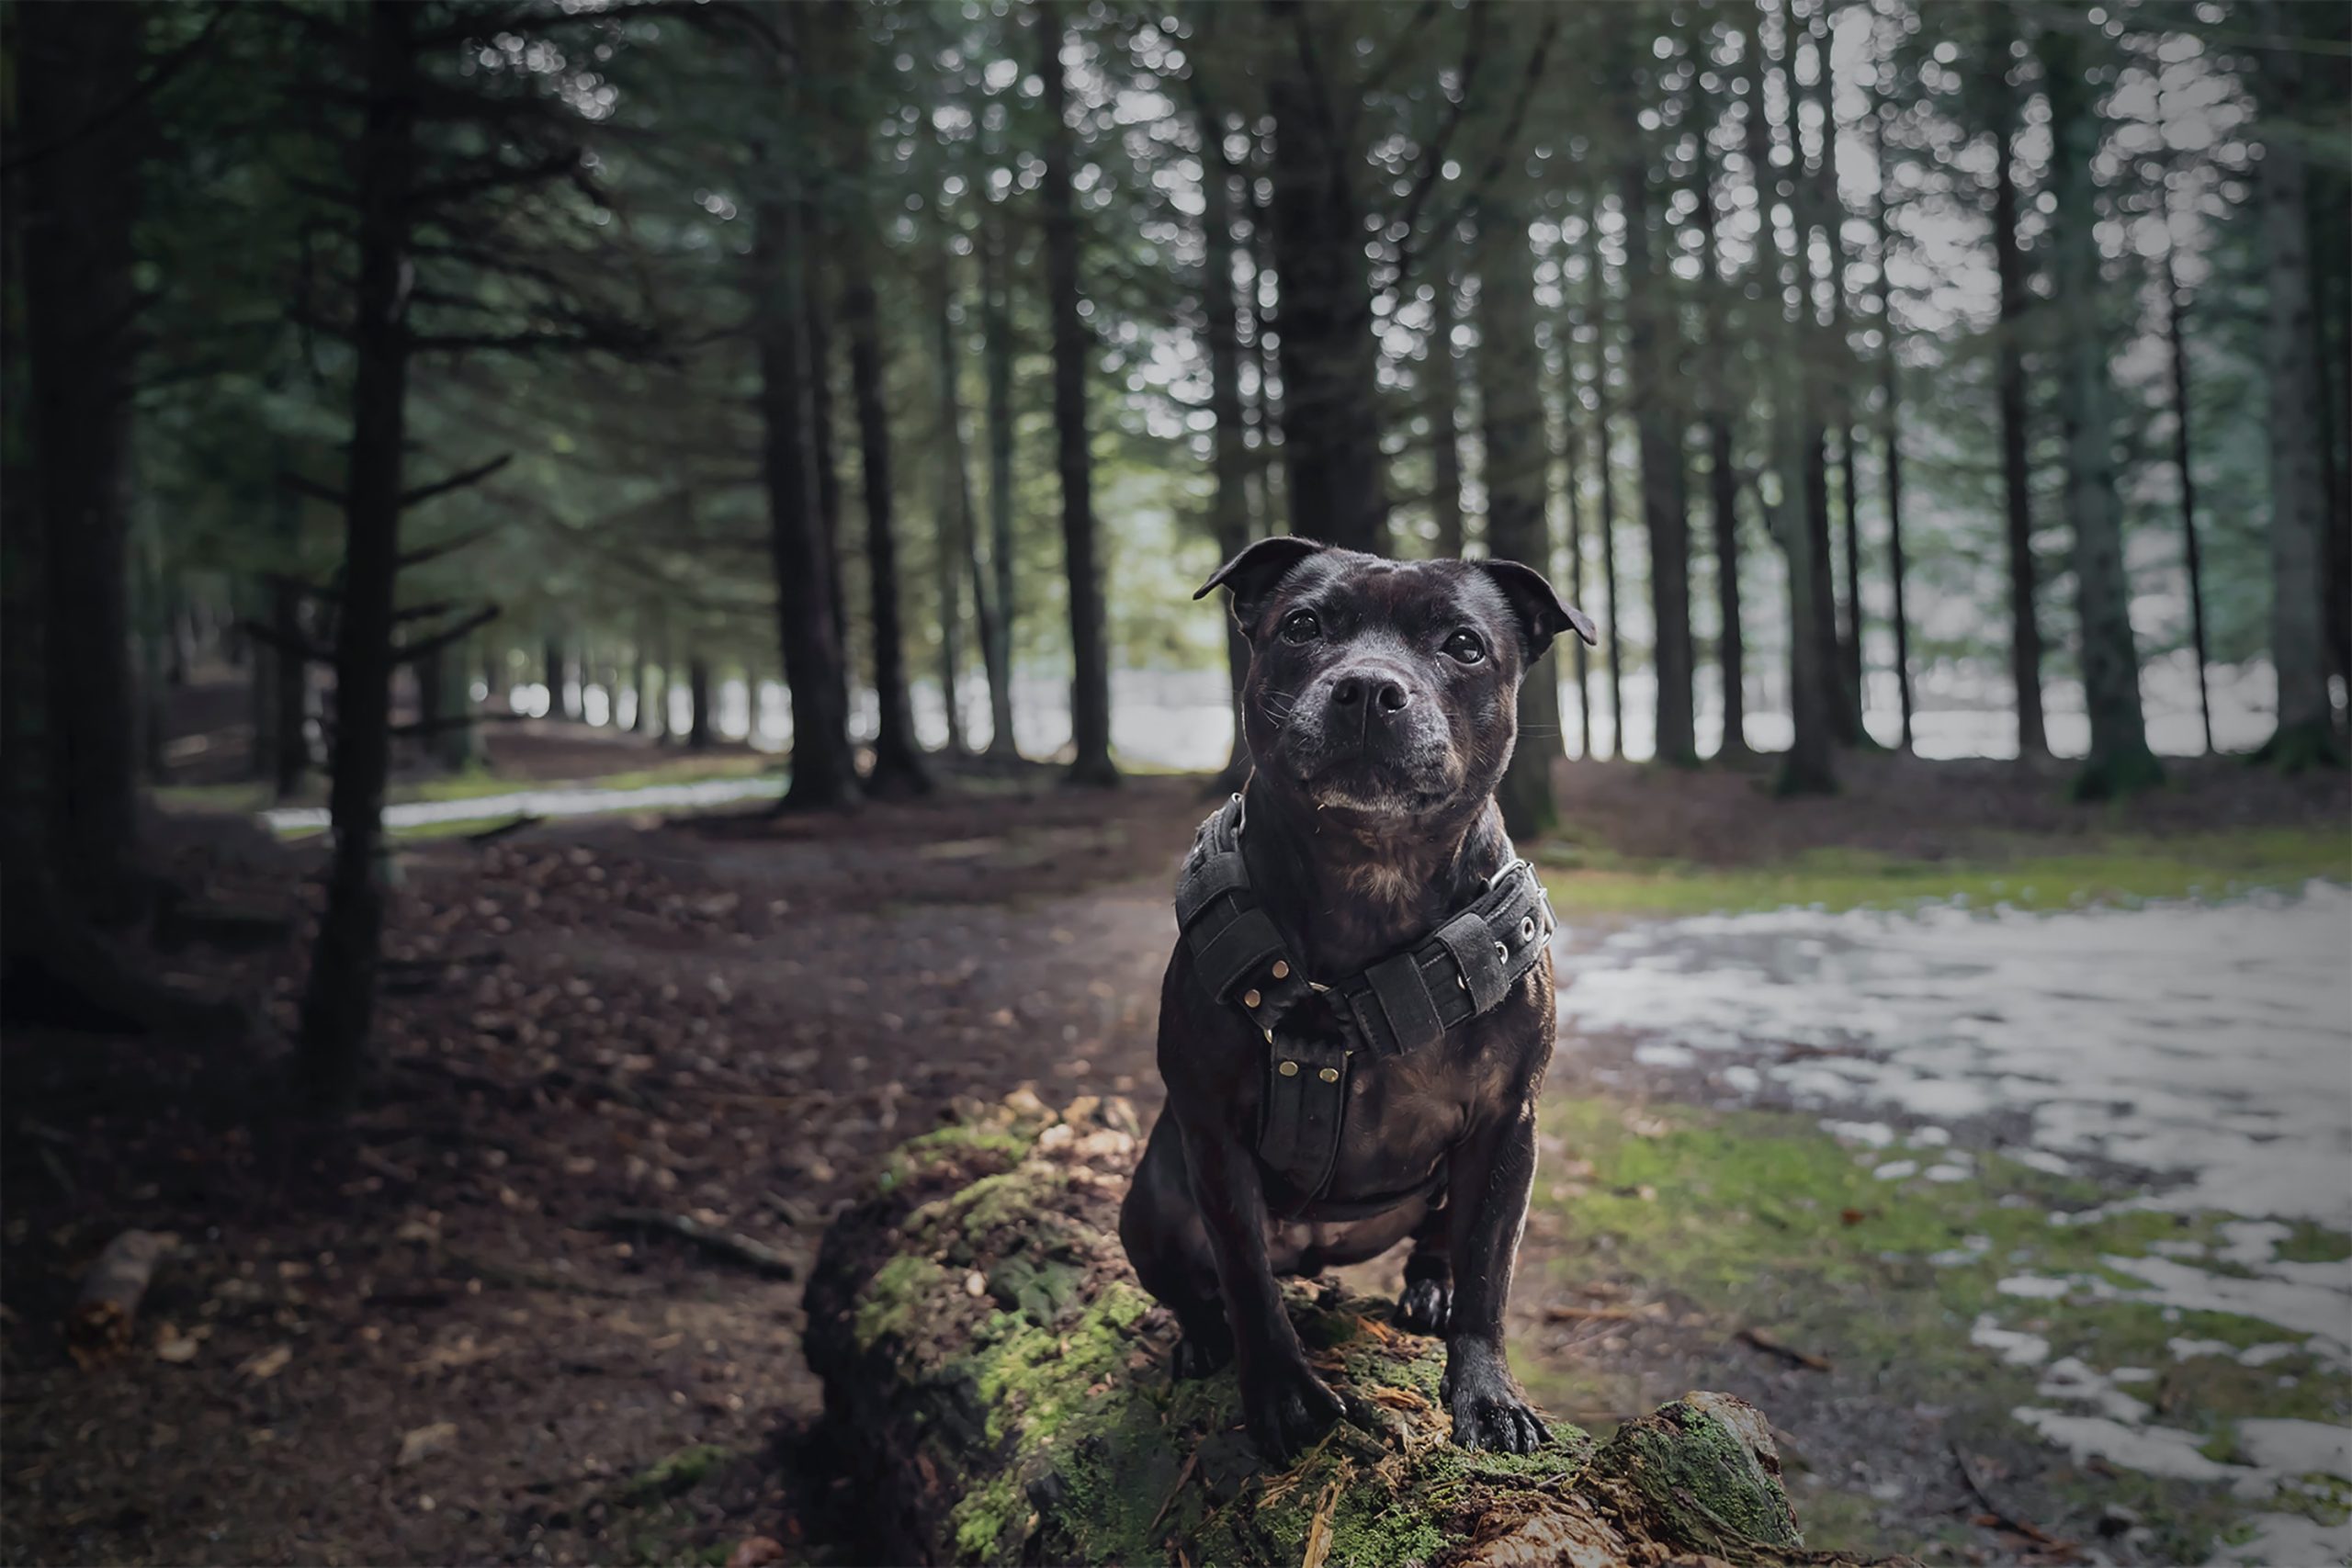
column 1386, row 694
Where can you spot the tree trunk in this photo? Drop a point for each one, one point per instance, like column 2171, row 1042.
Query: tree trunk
column 2306, row 733
column 455, row 740
column 339, row 999
column 1445, row 419
column 77, row 68
column 1510, row 407
column 1572, row 480
column 1604, row 474
column 818, row 309
column 2183, row 449
column 2017, row 476
column 1723, row 476
column 700, row 734
column 2119, row 762
column 1810, row 384
column 959, row 536
column 1650, row 373
column 824, row 768
column 1843, row 379
column 1891, row 414
column 1090, row 697
column 996, row 328
column 1330, row 426
column 992, row 1264
column 899, row 767
column 1809, row 767
column 1220, row 320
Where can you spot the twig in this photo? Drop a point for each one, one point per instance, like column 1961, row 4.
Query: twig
column 2001, row 1515
column 737, row 1248
column 1761, row 1339
column 1191, row 1463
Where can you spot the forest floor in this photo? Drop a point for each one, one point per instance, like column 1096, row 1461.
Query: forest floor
column 445, row 1331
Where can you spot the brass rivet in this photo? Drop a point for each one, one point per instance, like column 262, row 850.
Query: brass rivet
column 1249, row 999
column 1282, row 969
column 1288, row 1069
column 1329, row 1075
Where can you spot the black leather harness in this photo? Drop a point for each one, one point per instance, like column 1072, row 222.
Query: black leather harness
column 1405, row 1002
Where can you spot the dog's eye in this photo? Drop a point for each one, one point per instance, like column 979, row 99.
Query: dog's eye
column 1465, row 647
column 1300, row 625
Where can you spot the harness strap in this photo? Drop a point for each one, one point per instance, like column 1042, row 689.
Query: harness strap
column 1404, row 1003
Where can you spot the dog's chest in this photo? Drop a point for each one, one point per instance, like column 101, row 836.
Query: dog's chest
column 1405, row 1114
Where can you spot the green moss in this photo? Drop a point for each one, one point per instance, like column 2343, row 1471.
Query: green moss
column 1695, row 1471
column 681, row 1471
column 899, row 1296
column 2119, row 869
column 1006, row 1143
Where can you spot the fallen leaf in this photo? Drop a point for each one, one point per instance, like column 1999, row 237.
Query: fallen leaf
column 268, row 1364
column 172, row 1346
column 422, row 1440
column 754, row 1551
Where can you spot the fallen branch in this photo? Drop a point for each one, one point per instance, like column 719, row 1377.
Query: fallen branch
column 737, row 1248
column 1771, row 1345
column 99, row 1326
column 2001, row 1518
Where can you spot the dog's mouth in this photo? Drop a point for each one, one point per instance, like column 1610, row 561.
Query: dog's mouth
column 1375, row 786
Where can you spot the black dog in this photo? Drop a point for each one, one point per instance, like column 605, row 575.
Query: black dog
column 1355, row 1025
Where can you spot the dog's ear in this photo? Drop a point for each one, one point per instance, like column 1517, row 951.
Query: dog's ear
column 1259, row 569
column 1542, row 614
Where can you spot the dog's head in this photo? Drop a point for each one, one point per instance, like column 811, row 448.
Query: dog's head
column 1386, row 689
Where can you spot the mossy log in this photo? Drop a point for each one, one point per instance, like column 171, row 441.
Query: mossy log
column 996, row 1382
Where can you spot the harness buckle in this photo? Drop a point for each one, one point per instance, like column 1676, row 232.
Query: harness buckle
column 1510, row 869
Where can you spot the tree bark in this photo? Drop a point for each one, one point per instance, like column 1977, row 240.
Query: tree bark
column 1090, row 699
column 2119, row 761
column 899, row 767
column 824, row 768
column 1658, row 424
column 339, row 997
column 76, row 68
column 2017, row 475
column 998, row 347
column 1330, row 426
column 2306, row 731
column 992, row 1264
column 1510, row 410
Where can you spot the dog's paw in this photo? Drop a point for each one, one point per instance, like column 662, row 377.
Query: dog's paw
column 1201, row 1355
column 1425, row 1306
column 1488, row 1410
column 1288, row 1410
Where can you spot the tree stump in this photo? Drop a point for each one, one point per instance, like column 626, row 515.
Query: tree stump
column 998, row 1384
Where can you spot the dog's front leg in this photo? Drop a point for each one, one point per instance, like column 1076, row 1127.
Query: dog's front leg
column 1493, row 1174
column 1286, row 1405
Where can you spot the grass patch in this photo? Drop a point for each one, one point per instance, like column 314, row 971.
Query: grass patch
column 2121, row 870
column 1760, row 1220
